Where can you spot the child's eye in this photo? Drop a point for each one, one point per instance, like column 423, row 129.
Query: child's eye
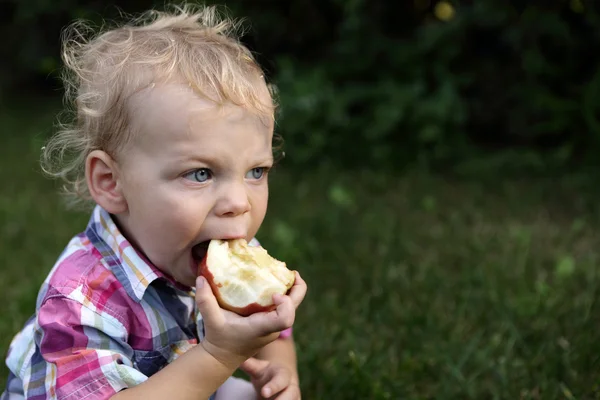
column 200, row 175
column 256, row 173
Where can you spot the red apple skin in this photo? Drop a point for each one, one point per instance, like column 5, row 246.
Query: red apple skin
column 243, row 311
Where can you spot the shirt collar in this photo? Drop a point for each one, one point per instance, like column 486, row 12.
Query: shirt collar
column 132, row 269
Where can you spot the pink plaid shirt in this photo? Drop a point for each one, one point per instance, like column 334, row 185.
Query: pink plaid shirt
column 105, row 320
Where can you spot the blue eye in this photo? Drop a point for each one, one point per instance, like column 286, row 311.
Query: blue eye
column 256, row 173
column 200, row 175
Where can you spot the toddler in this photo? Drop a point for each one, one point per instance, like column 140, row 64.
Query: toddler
column 171, row 144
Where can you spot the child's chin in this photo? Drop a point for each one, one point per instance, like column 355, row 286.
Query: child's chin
column 187, row 280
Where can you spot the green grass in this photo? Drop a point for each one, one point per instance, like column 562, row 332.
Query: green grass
column 420, row 286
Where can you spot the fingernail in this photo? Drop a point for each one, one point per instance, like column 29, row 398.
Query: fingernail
column 200, row 282
column 267, row 392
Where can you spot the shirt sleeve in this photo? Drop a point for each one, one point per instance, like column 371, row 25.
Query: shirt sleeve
column 81, row 353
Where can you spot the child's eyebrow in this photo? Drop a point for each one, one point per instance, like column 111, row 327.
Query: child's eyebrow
column 218, row 161
column 266, row 160
column 202, row 158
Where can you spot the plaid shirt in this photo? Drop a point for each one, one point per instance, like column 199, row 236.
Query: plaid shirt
column 106, row 320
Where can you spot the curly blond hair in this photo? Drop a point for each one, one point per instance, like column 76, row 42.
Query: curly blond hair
column 193, row 44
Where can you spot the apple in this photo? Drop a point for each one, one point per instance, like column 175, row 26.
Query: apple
column 244, row 278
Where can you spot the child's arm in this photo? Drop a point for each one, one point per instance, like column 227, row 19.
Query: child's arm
column 197, row 374
column 230, row 339
column 194, row 375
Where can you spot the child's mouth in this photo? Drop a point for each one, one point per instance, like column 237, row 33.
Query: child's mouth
column 199, row 251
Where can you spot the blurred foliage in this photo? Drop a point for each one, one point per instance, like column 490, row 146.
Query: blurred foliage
column 382, row 84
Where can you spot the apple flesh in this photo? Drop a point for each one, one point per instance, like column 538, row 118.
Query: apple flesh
column 244, row 278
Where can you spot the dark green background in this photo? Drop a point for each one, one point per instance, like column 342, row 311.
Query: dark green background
column 439, row 191
column 385, row 82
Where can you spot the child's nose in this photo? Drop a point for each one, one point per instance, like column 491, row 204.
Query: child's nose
column 233, row 200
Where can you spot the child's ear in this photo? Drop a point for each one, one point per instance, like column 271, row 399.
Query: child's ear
column 102, row 175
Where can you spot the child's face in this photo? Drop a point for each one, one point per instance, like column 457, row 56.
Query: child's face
column 193, row 173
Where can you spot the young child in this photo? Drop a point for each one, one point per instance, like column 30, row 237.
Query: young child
column 172, row 144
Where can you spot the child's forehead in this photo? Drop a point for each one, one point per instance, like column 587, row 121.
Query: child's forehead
column 176, row 107
column 168, row 96
column 171, row 101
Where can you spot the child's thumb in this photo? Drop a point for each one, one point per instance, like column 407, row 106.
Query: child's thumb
column 253, row 366
column 206, row 301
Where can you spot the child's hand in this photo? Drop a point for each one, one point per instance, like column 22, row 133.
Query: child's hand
column 271, row 381
column 230, row 338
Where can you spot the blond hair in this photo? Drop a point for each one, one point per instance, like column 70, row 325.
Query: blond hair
column 193, row 44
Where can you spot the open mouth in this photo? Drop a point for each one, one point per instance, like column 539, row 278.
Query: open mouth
column 199, row 251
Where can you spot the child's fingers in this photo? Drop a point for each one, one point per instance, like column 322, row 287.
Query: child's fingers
column 286, row 311
column 207, row 303
column 298, row 291
column 278, row 382
column 291, row 392
column 253, row 366
column 274, row 321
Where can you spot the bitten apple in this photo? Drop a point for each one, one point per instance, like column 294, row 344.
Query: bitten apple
column 243, row 277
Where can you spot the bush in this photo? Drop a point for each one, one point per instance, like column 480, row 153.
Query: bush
column 386, row 84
